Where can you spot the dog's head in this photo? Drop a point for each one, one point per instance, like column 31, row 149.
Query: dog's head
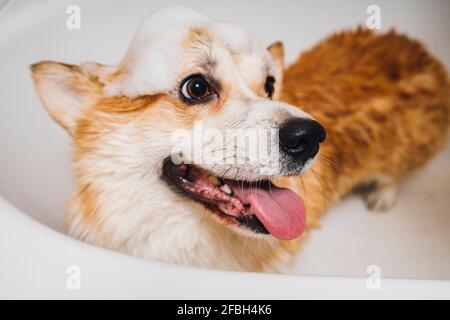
column 191, row 116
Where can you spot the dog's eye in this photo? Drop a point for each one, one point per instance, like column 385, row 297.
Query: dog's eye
column 269, row 86
column 195, row 88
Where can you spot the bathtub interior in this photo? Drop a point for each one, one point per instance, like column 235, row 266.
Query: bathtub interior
column 411, row 241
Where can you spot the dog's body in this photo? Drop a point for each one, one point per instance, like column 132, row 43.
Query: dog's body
column 385, row 104
column 383, row 100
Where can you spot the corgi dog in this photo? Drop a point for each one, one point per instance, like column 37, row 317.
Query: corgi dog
column 358, row 109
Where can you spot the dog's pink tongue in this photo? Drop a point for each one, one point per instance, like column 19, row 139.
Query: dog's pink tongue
column 280, row 210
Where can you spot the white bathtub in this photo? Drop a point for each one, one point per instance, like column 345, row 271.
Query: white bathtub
column 410, row 245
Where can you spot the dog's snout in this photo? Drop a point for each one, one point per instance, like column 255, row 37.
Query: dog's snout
column 301, row 137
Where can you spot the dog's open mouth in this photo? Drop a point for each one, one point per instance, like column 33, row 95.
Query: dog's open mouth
column 259, row 206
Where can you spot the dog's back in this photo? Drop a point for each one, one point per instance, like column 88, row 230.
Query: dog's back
column 384, row 101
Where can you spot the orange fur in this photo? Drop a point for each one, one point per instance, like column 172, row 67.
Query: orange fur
column 384, row 101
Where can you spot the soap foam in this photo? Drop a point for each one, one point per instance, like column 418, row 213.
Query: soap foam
column 153, row 60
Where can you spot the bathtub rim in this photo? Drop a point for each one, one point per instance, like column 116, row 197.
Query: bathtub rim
column 33, row 276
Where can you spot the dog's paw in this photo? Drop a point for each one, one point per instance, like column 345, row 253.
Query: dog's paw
column 379, row 192
column 381, row 197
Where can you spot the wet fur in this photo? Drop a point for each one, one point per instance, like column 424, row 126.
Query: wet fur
column 383, row 99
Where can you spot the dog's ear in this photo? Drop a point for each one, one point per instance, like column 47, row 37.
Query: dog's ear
column 66, row 91
column 276, row 50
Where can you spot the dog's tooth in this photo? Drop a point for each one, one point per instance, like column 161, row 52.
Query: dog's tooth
column 214, row 180
column 225, row 188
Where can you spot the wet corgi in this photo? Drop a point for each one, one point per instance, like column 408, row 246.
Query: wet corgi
column 360, row 108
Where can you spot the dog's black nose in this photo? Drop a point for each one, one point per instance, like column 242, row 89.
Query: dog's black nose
column 300, row 138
